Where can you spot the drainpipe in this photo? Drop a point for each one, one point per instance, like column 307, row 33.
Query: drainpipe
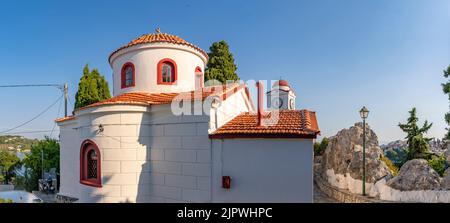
column 260, row 87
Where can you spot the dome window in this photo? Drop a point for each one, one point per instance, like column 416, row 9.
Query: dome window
column 90, row 173
column 167, row 72
column 128, row 75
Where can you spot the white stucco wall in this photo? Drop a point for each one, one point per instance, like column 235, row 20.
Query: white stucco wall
column 234, row 105
column 263, row 170
column 147, row 154
column 145, row 59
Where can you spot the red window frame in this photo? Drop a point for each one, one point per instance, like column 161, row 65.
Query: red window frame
column 123, row 75
column 86, row 147
column 199, row 72
column 160, row 66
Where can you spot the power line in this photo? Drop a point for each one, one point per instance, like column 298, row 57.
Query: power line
column 63, row 87
column 27, row 132
column 57, row 115
column 33, row 85
column 34, row 118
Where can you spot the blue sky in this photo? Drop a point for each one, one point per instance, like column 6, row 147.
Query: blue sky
column 338, row 54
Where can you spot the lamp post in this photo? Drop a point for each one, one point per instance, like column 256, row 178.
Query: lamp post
column 364, row 112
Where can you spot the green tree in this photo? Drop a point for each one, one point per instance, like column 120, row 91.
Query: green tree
column 9, row 163
column 221, row 66
column 92, row 88
column 33, row 161
column 319, row 148
column 418, row 145
column 446, row 89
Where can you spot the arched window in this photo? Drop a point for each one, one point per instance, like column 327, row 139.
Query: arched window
column 199, row 79
column 167, row 72
column 90, row 164
column 128, row 75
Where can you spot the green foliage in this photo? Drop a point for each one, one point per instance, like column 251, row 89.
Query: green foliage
column 390, row 165
column 91, row 89
column 221, row 66
column 398, row 156
column 418, row 145
column 6, row 200
column 438, row 163
column 446, row 89
column 33, row 162
column 9, row 163
column 319, row 148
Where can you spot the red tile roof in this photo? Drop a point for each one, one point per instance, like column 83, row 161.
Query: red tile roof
column 291, row 124
column 159, row 38
column 143, row 98
column 65, row 118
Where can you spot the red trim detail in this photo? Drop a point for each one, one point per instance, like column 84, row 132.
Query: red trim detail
column 199, row 72
column 159, row 68
column 123, row 80
column 83, row 164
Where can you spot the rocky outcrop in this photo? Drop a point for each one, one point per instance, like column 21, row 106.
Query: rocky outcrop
column 416, row 175
column 446, row 180
column 447, row 156
column 344, row 155
column 397, row 144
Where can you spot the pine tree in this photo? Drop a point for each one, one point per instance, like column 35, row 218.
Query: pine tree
column 418, row 146
column 446, row 89
column 92, row 88
column 221, row 66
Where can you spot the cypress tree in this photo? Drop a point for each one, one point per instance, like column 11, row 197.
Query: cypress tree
column 418, row 146
column 221, row 66
column 446, row 89
column 92, row 88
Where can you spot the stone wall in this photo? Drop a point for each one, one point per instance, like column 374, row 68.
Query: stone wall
column 65, row 199
column 340, row 195
column 6, row 187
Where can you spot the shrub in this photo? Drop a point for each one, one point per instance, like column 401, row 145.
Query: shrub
column 438, row 163
column 6, row 200
column 319, row 148
column 391, row 166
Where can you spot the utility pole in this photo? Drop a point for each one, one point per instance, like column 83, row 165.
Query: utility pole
column 66, row 90
column 42, row 161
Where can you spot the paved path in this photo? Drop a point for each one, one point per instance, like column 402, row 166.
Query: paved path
column 320, row 197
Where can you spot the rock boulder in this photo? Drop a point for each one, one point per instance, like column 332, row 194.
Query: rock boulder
column 344, row 154
column 447, row 155
column 416, row 174
column 446, row 180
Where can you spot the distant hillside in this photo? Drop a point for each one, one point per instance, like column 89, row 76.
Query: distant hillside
column 437, row 146
column 16, row 143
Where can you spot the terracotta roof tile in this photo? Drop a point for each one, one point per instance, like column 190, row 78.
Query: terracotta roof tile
column 291, row 124
column 65, row 118
column 159, row 38
column 143, row 98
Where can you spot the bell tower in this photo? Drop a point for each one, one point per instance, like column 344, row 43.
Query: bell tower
column 281, row 96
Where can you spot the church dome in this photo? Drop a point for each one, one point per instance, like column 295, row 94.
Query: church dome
column 282, row 85
column 159, row 37
column 157, row 63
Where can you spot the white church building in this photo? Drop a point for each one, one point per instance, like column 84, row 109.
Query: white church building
column 165, row 137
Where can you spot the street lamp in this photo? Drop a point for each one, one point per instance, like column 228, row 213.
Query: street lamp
column 364, row 113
